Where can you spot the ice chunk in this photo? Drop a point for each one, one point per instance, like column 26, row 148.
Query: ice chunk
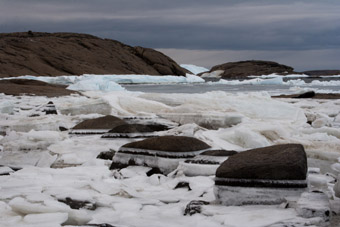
column 47, row 218
column 4, row 170
column 23, row 206
column 214, row 74
column 236, row 196
column 314, row 204
column 95, row 84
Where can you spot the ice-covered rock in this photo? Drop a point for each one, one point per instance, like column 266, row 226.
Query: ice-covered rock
column 206, row 163
column 135, row 131
column 163, row 152
column 98, row 125
column 262, row 176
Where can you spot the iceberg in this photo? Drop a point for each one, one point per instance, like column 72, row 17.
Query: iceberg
column 194, row 68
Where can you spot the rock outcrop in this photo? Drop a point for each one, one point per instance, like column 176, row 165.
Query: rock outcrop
column 32, row 87
column 243, row 69
column 317, row 73
column 55, row 54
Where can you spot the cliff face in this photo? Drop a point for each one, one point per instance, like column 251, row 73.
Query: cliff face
column 55, row 54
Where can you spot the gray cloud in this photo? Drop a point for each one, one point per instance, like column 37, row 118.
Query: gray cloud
column 218, row 25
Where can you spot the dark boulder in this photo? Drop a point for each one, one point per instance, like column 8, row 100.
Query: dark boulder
column 243, row 69
column 106, row 155
column 49, row 108
column 306, row 95
column 164, row 152
column 106, row 122
column 286, row 162
column 218, row 153
column 172, row 144
column 134, row 130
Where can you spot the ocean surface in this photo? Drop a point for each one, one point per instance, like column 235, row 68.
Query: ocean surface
column 212, row 85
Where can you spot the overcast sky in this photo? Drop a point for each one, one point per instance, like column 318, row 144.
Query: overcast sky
column 302, row 34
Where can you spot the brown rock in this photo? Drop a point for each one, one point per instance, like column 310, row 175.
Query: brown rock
column 32, row 87
column 169, row 143
column 219, row 153
column 279, row 162
column 243, row 69
column 55, row 54
column 136, row 128
column 106, row 122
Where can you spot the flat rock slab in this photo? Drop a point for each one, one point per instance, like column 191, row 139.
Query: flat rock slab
column 107, row 122
column 19, row 87
column 173, row 144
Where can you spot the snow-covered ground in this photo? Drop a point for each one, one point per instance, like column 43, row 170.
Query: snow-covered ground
column 55, row 165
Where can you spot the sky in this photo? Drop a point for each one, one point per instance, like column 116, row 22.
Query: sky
column 302, row 34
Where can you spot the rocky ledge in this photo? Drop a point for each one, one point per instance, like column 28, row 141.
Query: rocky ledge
column 55, row 54
column 243, row 69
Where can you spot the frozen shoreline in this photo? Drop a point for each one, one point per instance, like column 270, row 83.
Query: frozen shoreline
column 35, row 143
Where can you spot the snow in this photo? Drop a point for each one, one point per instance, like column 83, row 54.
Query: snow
column 194, row 68
column 55, row 165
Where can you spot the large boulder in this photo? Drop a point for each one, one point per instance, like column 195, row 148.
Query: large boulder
column 262, row 176
column 164, row 152
column 243, row 69
column 98, row 125
column 56, row 54
column 135, row 131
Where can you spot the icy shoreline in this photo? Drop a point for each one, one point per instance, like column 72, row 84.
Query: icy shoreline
column 29, row 197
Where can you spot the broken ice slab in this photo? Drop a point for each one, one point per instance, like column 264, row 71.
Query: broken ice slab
column 238, row 194
column 314, row 204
